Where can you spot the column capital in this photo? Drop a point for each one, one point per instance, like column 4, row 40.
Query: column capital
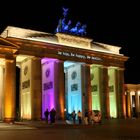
column 36, row 58
column 9, row 60
column 60, row 61
column 105, row 67
column 10, row 56
column 121, row 69
column 88, row 64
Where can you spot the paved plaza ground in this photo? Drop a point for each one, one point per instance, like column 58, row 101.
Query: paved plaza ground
column 114, row 129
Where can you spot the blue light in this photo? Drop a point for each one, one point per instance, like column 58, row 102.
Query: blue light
column 73, row 86
column 64, row 25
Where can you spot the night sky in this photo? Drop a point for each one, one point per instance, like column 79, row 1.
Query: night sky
column 114, row 23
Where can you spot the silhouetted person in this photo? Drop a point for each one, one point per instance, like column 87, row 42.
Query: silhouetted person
column 52, row 115
column 74, row 116
column 79, row 116
column 86, row 117
column 46, row 113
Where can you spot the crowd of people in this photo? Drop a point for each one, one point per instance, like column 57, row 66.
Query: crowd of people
column 50, row 114
column 88, row 117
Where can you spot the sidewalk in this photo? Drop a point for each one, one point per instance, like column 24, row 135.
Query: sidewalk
column 39, row 123
column 11, row 126
column 58, row 123
column 68, row 124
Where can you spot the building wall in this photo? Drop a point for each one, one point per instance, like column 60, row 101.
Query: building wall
column 25, row 90
column 1, row 91
column 82, row 93
column 132, row 93
column 74, row 88
column 112, row 92
column 95, row 87
column 103, row 85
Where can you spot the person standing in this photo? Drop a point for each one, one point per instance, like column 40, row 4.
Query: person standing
column 74, row 116
column 86, row 117
column 46, row 113
column 52, row 115
column 79, row 117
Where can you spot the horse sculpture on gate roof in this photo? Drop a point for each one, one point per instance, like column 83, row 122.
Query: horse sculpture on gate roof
column 65, row 27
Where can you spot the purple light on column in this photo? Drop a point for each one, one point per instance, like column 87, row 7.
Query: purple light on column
column 48, row 84
column 47, row 60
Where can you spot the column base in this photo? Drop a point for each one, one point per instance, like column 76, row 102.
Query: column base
column 9, row 120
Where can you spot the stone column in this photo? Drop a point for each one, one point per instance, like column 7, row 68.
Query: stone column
column 86, row 89
column 1, row 91
column 128, row 107
column 36, row 89
column 10, row 90
column 59, row 89
column 137, row 103
column 105, row 93
column 121, row 104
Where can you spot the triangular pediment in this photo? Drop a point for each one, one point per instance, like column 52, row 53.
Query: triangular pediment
column 68, row 40
column 6, row 45
column 5, row 42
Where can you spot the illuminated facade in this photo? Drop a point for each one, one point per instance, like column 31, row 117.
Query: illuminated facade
column 61, row 71
column 132, row 92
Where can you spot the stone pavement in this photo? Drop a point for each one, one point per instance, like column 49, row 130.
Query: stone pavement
column 11, row 126
column 68, row 124
column 114, row 129
column 41, row 125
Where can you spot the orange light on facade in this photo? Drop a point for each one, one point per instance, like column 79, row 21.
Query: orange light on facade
column 8, row 110
column 9, row 90
column 62, row 107
column 124, row 105
column 9, row 105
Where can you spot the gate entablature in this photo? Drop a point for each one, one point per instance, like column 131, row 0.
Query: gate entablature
column 7, row 48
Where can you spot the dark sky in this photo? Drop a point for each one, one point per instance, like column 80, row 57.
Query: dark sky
column 111, row 22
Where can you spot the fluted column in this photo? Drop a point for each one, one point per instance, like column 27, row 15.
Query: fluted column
column 105, row 93
column 36, row 89
column 128, row 104
column 59, row 89
column 121, row 95
column 10, row 90
column 1, row 91
column 137, row 103
column 86, row 89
